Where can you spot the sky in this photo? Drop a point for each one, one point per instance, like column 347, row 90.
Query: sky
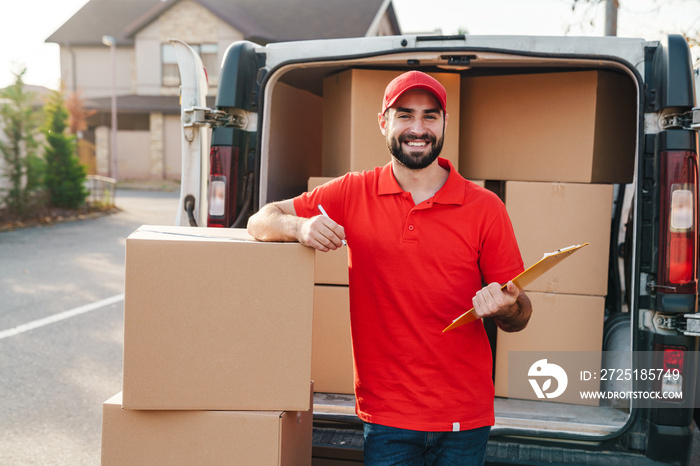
column 24, row 31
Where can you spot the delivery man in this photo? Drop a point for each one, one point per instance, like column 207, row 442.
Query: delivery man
column 422, row 242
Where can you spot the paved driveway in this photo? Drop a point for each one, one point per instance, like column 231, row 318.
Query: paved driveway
column 61, row 332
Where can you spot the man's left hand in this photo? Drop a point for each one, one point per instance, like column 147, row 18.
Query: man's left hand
column 509, row 306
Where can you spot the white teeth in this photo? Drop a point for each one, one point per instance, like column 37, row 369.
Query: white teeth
column 416, row 144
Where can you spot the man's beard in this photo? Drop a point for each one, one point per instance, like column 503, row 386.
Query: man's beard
column 412, row 161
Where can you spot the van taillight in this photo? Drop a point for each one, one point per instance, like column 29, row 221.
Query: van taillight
column 678, row 262
column 671, row 360
column 222, row 185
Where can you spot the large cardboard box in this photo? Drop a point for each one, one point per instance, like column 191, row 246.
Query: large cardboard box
column 331, row 361
column 352, row 101
column 559, row 323
column 568, row 127
column 135, row 437
column 215, row 320
column 331, row 267
column 550, row 216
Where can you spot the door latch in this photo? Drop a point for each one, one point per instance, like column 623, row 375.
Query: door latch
column 692, row 325
column 688, row 120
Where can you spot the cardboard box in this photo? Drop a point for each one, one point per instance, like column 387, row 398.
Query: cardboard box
column 331, row 360
column 352, row 100
column 137, row 437
column 559, row 323
column 316, row 181
column 215, row 320
column 331, row 268
column 568, row 127
column 550, row 216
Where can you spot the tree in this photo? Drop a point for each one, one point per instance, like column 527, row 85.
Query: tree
column 611, row 7
column 65, row 177
column 23, row 166
column 77, row 114
column 691, row 31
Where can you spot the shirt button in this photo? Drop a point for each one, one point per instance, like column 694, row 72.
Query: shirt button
column 410, row 227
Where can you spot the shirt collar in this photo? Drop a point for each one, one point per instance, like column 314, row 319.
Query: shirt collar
column 452, row 192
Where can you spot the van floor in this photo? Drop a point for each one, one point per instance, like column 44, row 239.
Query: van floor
column 511, row 414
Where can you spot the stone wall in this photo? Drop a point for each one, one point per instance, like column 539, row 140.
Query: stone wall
column 190, row 22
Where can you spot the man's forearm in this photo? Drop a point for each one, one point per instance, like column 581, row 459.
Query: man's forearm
column 271, row 224
column 518, row 319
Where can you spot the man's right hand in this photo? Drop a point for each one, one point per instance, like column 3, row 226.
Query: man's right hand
column 321, row 233
column 278, row 221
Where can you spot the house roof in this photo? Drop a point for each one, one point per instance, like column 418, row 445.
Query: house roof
column 139, row 104
column 102, row 17
column 260, row 21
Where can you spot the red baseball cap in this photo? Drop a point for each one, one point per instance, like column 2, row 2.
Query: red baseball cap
column 410, row 81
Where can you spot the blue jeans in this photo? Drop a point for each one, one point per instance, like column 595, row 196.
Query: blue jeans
column 386, row 446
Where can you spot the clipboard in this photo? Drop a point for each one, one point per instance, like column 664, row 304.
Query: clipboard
column 525, row 278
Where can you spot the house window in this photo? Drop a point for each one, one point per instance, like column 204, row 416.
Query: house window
column 210, row 59
column 207, row 52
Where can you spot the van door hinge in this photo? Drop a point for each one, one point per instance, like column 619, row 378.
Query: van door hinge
column 687, row 120
column 660, row 323
column 687, row 324
column 235, row 117
column 666, row 321
column 202, row 116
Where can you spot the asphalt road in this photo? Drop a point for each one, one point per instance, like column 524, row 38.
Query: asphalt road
column 61, row 330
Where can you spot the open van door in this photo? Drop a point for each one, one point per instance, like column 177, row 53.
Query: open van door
column 218, row 168
column 192, row 209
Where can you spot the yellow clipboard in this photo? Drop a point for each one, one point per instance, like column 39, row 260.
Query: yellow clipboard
column 521, row 281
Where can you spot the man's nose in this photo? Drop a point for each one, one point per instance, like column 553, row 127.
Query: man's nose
column 418, row 127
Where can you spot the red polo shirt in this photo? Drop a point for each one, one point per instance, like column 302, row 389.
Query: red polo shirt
column 413, row 269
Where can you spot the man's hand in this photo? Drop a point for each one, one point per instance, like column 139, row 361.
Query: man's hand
column 278, row 221
column 509, row 306
column 321, row 233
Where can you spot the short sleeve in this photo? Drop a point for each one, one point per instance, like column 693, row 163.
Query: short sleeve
column 330, row 195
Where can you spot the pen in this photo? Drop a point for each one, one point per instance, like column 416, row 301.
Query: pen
column 325, row 214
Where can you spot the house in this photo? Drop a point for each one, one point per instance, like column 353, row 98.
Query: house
column 145, row 69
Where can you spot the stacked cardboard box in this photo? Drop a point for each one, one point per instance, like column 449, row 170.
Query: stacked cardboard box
column 567, row 135
column 210, row 353
column 331, row 361
column 577, row 127
column 568, row 301
column 137, row 437
column 331, row 268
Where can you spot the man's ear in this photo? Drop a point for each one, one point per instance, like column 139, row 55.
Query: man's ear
column 382, row 123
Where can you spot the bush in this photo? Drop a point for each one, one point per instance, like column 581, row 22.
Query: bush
column 64, row 177
column 23, row 166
